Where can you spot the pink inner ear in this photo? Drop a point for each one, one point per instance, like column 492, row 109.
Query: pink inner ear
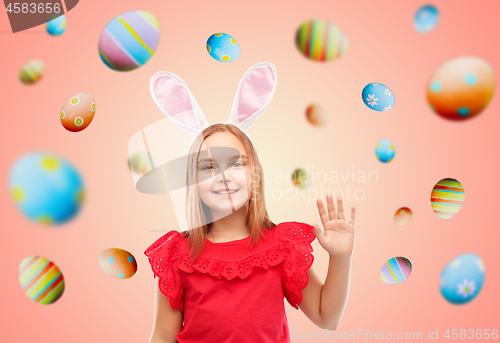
column 173, row 98
column 255, row 91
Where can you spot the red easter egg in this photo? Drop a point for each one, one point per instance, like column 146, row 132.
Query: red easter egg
column 77, row 112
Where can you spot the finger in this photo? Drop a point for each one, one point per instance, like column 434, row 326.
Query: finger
column 340, row 208
column 352, row 219
column 331, row 207
column 322, row 212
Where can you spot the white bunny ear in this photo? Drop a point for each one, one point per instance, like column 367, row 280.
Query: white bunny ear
column 255, row 91
column 175, row 100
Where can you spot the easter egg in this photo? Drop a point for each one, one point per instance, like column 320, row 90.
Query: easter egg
column 316, row 115
column 56, row 25
column 46, row 188
column 77, row 112
column 426, row 18
column 117, row 263
column 396, row 270
column 378, row 97
column 140, row 163
column 129, row 40
column 299, row 178
column 41, row 280
column 385, row 151
column 461, row 88
column 402, row 216
column 223, row 48
column 320, row 40
column 462, row 279
column 32, row 72
column 447, row 198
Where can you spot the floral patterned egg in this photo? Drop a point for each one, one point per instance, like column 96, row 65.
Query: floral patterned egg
column 462, row 279
column 378, row 97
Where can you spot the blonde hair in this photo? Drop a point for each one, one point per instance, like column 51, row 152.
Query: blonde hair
column 198, row 213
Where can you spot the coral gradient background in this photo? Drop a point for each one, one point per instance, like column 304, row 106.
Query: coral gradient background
column 383, row 47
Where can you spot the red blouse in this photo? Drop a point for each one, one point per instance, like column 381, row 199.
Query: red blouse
column 233, row 292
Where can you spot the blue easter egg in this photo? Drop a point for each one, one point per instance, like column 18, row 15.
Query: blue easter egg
column 426, row 18
column 222, row 47
column 46, row 188
column 385, row 151
column 462, row 279
column 56, row 26
column 378, row 97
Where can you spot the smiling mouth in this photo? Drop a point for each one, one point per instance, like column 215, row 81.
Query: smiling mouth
column 226, row 192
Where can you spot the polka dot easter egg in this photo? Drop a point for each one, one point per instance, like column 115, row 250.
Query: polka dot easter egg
column 129, row 40
column 316, row 115
column 321, row 41
column 41, row 280
column 299, row 178
column 385, row 151
column 32, row 72
column 46, row 188
column 223, row 48
column 462, row 279
column 396, row 270
column 426, row 18
column 78, row 112
column 56, row 25
column 461, row 88
column 117, row 263
column 447, row 198
column 378, row 97
column 402, row 216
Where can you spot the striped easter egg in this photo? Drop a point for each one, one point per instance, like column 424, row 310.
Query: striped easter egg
column 129, row 40
column 41, row 280
column 396, row 270
column 447, row 198
column 32, row 72
column 320, row 40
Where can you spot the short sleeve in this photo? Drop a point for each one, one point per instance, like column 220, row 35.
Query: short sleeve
column 295, row 242
column 165, row 256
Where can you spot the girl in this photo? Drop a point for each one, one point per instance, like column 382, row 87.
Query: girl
column 225, row 278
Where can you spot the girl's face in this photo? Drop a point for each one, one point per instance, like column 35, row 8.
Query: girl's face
column 224, row 174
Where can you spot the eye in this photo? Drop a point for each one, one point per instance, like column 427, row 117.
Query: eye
column 240, row 164
column 207, row 167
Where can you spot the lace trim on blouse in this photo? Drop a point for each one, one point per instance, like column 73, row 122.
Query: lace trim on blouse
column 293, row 250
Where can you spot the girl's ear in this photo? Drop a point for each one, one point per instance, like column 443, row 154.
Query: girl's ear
column 255, row 91
column 175, row 100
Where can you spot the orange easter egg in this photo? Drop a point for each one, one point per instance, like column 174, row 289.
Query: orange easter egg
column 117, row 263
column 77, row 112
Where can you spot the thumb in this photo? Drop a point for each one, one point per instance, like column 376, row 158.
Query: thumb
column 317, row 232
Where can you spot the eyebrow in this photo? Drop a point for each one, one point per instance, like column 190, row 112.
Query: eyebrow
column 208, row 159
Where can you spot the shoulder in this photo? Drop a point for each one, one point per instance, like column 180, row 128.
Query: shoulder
column 167, row 245
column 295, row 232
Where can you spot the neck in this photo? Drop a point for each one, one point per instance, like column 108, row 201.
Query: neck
column 232, row 226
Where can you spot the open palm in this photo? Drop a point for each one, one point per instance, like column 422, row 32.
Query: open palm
column 338, row 235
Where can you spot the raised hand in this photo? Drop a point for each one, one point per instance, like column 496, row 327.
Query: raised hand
column 338, row 235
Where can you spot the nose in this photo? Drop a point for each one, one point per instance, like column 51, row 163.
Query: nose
column 224, row 175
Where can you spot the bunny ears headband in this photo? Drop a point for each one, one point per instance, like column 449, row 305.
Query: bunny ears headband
column 175, row 100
